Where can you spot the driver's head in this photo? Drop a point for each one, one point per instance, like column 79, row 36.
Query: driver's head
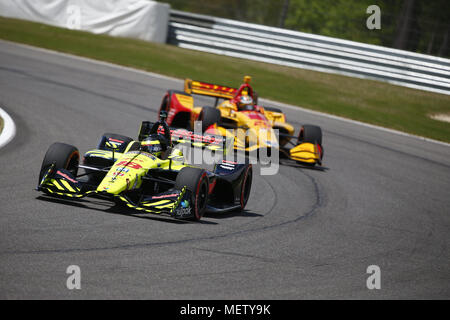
column 154, row 144
column 245, row 103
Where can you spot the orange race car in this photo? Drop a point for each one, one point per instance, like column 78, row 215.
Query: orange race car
column 236, row 112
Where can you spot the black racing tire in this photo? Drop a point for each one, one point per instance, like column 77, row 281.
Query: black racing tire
column 310, row 133
column 209, row 116
column 196, row 181
column 106, row 136
column 64, row 155
column 246, row 186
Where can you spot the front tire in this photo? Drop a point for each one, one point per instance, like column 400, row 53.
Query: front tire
column 196, row 181
column 311, row 134
column 246, row 186
column 65, row 156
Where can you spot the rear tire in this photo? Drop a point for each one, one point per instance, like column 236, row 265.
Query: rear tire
column 165, row 104
column 64, row 155
column 209, row 116
column 196, row 181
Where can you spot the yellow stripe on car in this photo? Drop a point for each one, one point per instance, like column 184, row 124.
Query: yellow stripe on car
column 68, row 186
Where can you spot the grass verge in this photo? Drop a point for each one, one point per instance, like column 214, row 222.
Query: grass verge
column 369, row 101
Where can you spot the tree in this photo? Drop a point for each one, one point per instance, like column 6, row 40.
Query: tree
column 413, row 25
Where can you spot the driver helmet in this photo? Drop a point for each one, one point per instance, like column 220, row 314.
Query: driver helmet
column 154, row 144
column 245, row 103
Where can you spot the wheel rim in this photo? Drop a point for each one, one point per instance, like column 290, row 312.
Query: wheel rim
column 201, row 197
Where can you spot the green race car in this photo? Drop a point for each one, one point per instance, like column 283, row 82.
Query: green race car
column 149, row 175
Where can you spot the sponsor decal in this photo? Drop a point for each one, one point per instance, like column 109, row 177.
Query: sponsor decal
column 65, row 176
column 213, row 87
column 156, row 148
column 185, row 204
column 165, row 196
column 118, row 173
column 229, row 162
column 184, row 210
column 255, row 115
column 130, row 164
column 171, row 114
column 141, row 154
column 148, row 155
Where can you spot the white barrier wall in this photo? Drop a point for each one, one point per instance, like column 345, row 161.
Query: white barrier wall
column 308, row 51
column 141, row 19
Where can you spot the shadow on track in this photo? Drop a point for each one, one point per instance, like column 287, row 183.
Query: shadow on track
column 295, row 164
column 117, row 209
column 231, row 214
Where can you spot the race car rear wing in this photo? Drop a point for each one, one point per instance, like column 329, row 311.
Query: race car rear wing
column 208, row 89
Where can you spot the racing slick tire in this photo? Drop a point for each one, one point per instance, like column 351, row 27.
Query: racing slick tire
column 310, row 133
column 209, row 116
column 196, row 181
column 106, row 136
column 64, row 155
column 246, row 186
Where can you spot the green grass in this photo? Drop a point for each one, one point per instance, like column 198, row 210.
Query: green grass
column 369, row 101
column 1, row 124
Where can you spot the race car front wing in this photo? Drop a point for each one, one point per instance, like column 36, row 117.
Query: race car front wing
column 61, row 183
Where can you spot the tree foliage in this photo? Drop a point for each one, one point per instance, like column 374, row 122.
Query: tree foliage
column 415, row 25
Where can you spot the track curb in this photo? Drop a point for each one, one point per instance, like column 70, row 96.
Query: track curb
column 9, row 129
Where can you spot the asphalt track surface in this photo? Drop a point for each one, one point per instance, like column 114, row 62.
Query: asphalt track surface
column 306, row 234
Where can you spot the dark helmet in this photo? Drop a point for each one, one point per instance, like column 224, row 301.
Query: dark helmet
column 155, row 144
